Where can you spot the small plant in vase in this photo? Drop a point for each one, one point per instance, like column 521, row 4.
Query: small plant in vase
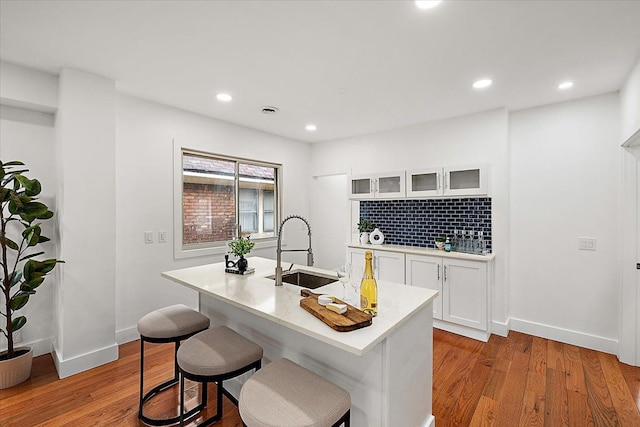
column 365, row 227
column 240, row 247
column 440, row 242
column 22, row 274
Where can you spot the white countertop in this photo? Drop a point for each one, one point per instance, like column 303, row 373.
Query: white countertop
column 256, row 294
column 416, row 250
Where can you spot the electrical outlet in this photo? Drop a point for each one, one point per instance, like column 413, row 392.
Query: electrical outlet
column 148, row 237
column 17, row 337
column 587, row 244
column 162, row 237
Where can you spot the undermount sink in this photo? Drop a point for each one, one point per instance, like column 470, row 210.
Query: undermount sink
column 306, row 279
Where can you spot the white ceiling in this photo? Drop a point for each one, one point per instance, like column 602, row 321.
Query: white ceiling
column 351, row 67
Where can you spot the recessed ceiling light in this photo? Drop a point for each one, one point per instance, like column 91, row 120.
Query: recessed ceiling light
column 224, row 97
column 427, row 4
column 565, row 85
column 311, row 127
column 480, row 84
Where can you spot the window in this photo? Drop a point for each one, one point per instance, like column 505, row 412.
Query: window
column 223, row 197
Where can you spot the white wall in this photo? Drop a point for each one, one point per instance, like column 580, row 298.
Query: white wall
column 144, row 197
column 565, row 184
column 478, row 138
column 28, row 88
column 630, row 103
column 34, row 145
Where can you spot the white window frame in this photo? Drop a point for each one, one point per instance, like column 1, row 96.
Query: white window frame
column 179, row 252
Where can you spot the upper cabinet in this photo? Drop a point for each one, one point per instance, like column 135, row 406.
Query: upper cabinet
column 448, row 181
column 468, row 180
column 390, row 185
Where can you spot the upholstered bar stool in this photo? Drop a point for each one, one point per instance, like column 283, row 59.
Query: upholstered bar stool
column 284, row 394
column 215, row 355
column 167, row 325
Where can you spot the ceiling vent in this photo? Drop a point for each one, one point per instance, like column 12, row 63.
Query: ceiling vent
column 267, row 109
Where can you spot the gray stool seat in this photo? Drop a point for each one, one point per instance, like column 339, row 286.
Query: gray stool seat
column 215, row 355
column 284, row 394
column 167, row 325
column 171, row 322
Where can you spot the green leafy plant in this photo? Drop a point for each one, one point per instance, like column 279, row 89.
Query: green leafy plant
column 241, row 246
column 441, row 239
column 20, row 233
column 365, row 226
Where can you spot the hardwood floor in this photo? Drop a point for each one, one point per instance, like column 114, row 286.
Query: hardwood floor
column 519, row 380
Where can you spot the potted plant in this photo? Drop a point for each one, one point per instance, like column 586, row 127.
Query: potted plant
column 22, row 274
column 440, row 242
column 365, row 227
column 240, row 247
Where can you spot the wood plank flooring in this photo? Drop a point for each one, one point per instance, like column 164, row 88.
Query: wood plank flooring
column 520, row 380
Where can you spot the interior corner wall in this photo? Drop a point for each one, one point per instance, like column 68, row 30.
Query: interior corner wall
column 146, row 132
column 565, row 184
column 476, row 138
column 85, row 310
column 630, row 103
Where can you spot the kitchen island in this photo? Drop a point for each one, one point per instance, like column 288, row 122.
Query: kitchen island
column 386, row 367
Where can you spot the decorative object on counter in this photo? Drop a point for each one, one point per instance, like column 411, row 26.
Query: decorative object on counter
column 365, row 227
column 350, row 320
column 447, row 245
column 369, row 287
column 376, row 237
column 440, row 242
column 239, row 247
column 21, row 272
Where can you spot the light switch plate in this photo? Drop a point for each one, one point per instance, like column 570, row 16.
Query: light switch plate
column 587, row 243
column 148, row 237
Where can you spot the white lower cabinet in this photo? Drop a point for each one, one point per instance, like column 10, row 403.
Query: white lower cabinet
column 387, row 266
column 463, row 287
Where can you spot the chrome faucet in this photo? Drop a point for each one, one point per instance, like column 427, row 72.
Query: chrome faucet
column 279, row 249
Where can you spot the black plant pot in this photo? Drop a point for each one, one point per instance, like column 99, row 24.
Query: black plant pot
column 242, row 264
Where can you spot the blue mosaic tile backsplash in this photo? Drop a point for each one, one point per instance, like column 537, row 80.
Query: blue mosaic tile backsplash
column 420, row 222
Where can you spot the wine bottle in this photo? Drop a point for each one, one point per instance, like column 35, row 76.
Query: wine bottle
column 369, row 287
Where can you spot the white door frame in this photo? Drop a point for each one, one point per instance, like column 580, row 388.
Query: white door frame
column 629, row 345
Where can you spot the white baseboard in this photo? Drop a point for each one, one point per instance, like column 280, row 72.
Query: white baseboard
column 606, row 345
column 127, row 335
column 500, row 328
column 462, row 330
column 84, row 362
column 40, row 347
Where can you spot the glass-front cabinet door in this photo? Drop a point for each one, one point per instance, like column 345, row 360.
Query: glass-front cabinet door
column 424, row 182
column 466, row 180
column 390, row 185
column 361, row 187
column 377, row 186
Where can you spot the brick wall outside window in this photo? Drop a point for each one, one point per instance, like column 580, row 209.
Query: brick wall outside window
column 208, row 213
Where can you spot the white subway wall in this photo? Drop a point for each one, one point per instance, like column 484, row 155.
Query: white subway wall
column 144, row 197
column 478, row 138
column 565, row 184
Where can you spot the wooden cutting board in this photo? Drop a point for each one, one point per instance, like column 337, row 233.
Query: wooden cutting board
column 351, row 320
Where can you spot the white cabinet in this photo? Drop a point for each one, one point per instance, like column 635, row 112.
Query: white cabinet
column 463, row 287
column 425, row 182
column 387, row 266
column 464, row 293
column 448, row 181
column 466, row 180
column 426, row 272
column 390, row 185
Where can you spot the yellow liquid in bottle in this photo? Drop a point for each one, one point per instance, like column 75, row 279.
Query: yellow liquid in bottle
column 369, row 288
